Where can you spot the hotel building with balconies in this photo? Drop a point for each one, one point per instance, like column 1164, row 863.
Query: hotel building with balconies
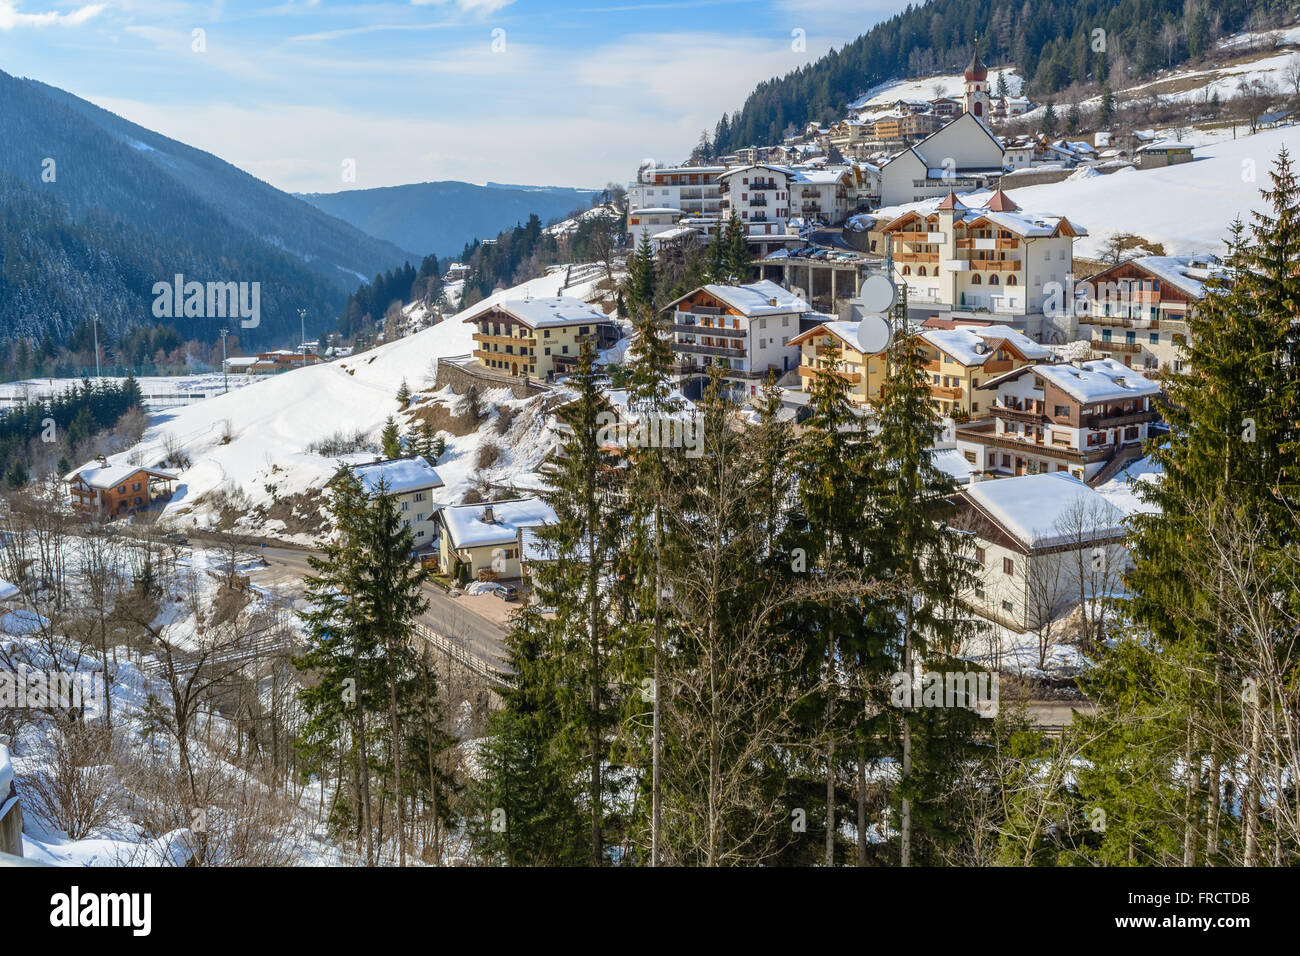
column 992, row 257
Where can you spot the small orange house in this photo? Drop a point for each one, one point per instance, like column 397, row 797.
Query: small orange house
column 108, row 491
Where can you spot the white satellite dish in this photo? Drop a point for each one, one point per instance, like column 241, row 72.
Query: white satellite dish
column 877, row 293
column 874, row 334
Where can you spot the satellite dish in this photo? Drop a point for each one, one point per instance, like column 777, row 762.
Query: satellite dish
column 873, row 334
column 877, row 293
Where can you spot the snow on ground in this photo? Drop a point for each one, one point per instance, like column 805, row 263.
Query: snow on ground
column 150, row 385
column 1185, row 208
column 272, row 422
column 880, row 97
column 1122, row 490
column 123, row 839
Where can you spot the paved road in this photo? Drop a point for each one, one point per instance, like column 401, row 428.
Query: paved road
column 480, row 638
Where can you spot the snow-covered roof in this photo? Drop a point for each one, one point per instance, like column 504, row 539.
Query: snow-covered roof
column 1011, row 218
column 552, row 311
column 759, row 298
column 971, row 346
column 108, row 476
column 846, row 332
column 1103, row 380
column 619, row 399
column 1186, row 273
column 467, row 529
column 1048, row 509
column 399, row 476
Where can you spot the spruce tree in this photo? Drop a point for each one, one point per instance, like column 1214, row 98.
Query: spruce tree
column 1230, row 457
column 642, row 280
column 926, row 570
column 834, row 466
column 390, row 439
column 736, row 245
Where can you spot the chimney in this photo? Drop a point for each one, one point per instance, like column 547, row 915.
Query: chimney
column 772, row 301
column 488, row 516
column 103, row 462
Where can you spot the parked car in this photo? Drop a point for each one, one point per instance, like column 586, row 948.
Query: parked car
column 506, row 592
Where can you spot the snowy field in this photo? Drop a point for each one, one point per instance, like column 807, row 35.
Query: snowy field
column 1185, row 208
column 257, row 438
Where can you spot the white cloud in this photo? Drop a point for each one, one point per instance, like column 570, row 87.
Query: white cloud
column 11, row 19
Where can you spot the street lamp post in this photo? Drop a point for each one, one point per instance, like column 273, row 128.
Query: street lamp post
column 225, row 373
column 302, row 331
column 94, row 326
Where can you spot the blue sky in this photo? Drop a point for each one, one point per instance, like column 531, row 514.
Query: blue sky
column 563, row 92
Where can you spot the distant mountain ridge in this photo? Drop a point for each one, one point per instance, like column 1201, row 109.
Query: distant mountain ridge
column 94, row 210
column 441, row 217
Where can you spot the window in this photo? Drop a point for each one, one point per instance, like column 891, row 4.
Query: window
column 406, row 505
column 1060, row 411
column 1008, row 607
column 1011, row 280
column 993, row 279
column 1008, row 566
column 121, row 489
column 979, row 555
column 136, row 486
column 139, row 500
column 970, row 457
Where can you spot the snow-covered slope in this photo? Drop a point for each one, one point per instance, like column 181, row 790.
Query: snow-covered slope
column 1185, row 208
column 257, row 438
column 880, row 97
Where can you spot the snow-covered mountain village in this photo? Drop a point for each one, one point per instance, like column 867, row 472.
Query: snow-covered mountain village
column 916, row 489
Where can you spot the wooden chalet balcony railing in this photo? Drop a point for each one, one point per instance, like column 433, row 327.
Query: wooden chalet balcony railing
column 995, row 265
column 696, row 329
column 981, row 433
column 916, row 257
column 1017, row 415
column 487, row 339
column 692, row 348
column 1116, row 421
column 1101, row 345
column 944, row 392
column 810, row 371
column 997, row 366
column 1122, row 321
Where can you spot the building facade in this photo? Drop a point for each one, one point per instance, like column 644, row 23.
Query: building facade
column 1086, row 418
column 993, row 257
column 539, row 338
column 745, row 331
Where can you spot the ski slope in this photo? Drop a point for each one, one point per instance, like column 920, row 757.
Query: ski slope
column 274, row 421
column 1185, row 208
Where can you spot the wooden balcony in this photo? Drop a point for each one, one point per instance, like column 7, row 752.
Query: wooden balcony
column 946, row 393
column 1101, row 345
column 1017, row 415
column 1118, row 421
column 519, row 341
column 691, row 348
column 809, row 371
column 982, row 433
column 916, row 257
column 692, row 328
column 997, row 366
column 995, row 265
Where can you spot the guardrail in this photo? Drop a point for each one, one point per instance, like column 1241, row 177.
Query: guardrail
column 457, row 652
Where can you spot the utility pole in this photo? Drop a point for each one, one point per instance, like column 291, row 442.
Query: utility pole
column 225, row 373
column 94, row 326
column 302, row 330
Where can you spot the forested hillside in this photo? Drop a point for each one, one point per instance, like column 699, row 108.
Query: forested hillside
column 1050, row 42
column 94, row 210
